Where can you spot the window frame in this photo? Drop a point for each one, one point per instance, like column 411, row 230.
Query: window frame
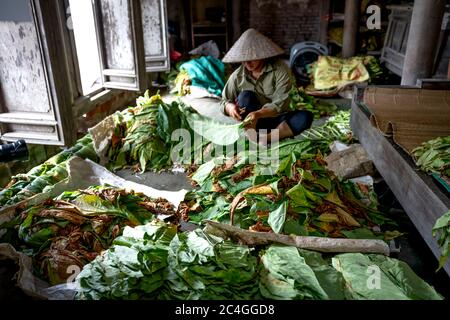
column 47, row 19
column 57, row 49
column 164, row 58
column 137, row 44
column 84, row 103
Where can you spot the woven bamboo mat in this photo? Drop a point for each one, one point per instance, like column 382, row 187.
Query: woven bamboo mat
column 410, row 116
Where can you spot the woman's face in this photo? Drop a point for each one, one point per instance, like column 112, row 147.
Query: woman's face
column 255, row 65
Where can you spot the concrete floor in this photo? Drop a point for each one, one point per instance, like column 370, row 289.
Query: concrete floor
column 166, row 181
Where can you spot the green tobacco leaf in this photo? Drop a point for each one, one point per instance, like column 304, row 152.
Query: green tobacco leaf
column 292, row 226
column 39, row 238
column 324, row 182
column 274, row 186
column 287, row 276
column 361, row 233
column 216, row 212
column 377, row 277
column 277, row 217
column 298, row 195
column 203, row 172
column 442, row 228
column 330, row 279
column 442, row 222
column 91, row 204
column 214, row 131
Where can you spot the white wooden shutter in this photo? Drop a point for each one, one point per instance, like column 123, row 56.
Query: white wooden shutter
column 119, row 30
column 156, row 40
column 35, row 88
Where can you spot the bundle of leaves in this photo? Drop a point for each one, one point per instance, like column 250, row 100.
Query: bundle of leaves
column 170, row 77
column 434, row 156
column 154, row 262
column 46, row 175
column 442, row 230
column 374, row 68
column 300, row 100
column 134, row 268
column 205, row 267
column 336, row 128
column 142, row 135
column 182, row 84
column 74, row 228
column 395, row 280
column 288, row 273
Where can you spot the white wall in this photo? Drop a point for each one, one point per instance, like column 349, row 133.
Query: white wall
column 15, row 10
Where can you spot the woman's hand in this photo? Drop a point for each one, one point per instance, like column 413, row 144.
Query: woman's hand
column 233, row 111
column 252, row 120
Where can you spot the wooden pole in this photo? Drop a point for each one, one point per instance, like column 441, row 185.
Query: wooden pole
column 324, row 15
column 423, row 38
column 236, row 16
column 351, row 24
column 321, row 244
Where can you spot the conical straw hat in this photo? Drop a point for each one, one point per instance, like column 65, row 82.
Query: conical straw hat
column 252, row 45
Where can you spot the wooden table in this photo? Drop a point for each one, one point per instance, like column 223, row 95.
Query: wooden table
column 417, row 192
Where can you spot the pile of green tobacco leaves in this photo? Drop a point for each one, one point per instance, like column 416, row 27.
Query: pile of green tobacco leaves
column 434, row 156
column 142, row 135
column 46, row 175
column 442, row 229
column 154, row 262
column 336, row 128
column 72, row 229
column 300, row 100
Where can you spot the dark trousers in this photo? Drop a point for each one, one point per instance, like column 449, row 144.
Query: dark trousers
column 298, row 121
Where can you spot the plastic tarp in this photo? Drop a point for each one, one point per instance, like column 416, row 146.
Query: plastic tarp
column 82, row 174
column 332, row 72
column 206, row 72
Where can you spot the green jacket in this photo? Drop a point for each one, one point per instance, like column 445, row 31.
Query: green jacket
column 272, row 87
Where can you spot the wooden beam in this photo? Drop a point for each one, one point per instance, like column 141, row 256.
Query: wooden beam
column 423, row 38
column 351, row 26
column 422, row 200
column 324, row 20
column 50, row 20
column 236, row 20
column 434, row 84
